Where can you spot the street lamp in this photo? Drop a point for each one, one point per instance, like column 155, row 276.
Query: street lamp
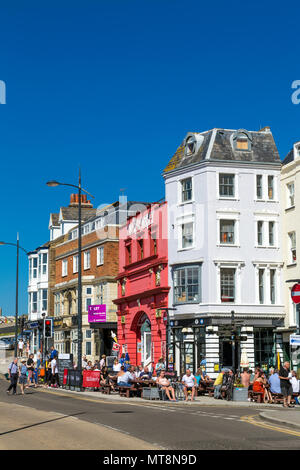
column 53, row 184
column 17, row 288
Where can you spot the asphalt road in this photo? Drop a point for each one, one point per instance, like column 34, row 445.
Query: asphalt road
column 145, row 425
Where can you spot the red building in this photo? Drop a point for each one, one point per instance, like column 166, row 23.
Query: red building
column 143, row 285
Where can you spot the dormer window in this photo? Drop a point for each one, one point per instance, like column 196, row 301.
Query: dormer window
column 190, row 145
column 241, row 141
column 193, row 143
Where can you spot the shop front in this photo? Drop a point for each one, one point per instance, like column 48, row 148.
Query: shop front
column 187, row 348
column 104, row 331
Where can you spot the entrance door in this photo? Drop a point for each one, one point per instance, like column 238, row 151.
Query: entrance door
column 146, row 342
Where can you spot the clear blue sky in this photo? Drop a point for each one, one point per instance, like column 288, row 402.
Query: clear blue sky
column 114, row 85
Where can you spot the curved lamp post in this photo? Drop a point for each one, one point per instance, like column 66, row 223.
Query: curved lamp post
column 79, row 304
column 17, row 288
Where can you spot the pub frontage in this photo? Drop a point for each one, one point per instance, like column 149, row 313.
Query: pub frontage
column 143, row 286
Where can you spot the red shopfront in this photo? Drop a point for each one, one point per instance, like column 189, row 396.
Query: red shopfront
column 143, row 286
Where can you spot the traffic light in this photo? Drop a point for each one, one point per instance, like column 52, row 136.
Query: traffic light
column 48, row 328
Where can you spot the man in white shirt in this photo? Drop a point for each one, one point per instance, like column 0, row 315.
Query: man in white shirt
column 54, row 369
column 294, row 381
column 189, row 383
column 20, row 347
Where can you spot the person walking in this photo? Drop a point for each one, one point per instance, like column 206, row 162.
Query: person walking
column 30, row 368
column 54, row 370
column 20, row 347
column 13, row 371
column 23, row 376
column 285, row 385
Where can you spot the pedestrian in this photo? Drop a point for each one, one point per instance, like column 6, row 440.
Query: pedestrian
column 13, row 371
column 23, row 376
column 53, row 352
column 54, row 370
column 84, row 362
column 38, row 358
column 285, row 385
column 245, row 378
column 103, row 361
column 30, row 369
column 274, row 382
column 294, row 381
column 27, row 349
column 48, row 373
column 20, row 347
column 218, row 385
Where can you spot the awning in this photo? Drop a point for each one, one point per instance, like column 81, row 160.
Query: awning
column 104, row 325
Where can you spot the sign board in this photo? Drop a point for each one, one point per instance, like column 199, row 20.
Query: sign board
column 295, row 340
column 97, row 313
column 295, row 293
column 65, row 361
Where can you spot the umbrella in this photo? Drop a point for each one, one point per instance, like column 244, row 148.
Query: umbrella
column 244, row 359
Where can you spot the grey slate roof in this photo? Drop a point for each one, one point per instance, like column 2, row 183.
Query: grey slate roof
column 217, row 145
column 289, row 158
column 71, row 213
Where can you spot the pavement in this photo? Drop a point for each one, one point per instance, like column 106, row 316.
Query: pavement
column 274, row 413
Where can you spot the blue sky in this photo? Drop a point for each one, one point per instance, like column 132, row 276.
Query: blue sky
column 114, row 85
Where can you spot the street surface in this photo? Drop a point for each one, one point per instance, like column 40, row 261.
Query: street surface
column 54, row 419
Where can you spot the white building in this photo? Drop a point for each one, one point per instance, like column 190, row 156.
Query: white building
column 223, row 194
column 290, row 181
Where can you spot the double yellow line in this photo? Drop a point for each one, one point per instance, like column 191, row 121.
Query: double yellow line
column 253, row 420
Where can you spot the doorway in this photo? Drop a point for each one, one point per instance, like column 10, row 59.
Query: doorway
column 146, row 341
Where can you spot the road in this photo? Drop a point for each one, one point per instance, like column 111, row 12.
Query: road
column 58, row 420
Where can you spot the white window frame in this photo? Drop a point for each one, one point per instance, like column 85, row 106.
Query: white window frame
column 75, row 263
column 100, row 255
column 64, row 267
column 290, row 195
column 292, row 247
column 87, row 259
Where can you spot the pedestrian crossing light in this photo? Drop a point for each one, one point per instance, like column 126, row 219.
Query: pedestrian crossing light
column 48, row 328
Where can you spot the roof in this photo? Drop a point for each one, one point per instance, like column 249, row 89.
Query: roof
column 217, row 144
column 54, row 218
column 71, row 213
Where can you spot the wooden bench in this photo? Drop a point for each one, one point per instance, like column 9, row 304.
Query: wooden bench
column 210, row 391
column 125, row 391
column 256, row 396
column 278, row 398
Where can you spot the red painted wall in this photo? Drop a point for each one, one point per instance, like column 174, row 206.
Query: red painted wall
column 144, row 291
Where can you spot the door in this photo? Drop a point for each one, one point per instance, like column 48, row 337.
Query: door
column 146, row 348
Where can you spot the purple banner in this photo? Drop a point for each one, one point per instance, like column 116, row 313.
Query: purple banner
column 97, row 313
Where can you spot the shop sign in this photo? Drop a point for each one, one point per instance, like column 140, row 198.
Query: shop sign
column 97, row 313
column 139, row 224
column 295, row 340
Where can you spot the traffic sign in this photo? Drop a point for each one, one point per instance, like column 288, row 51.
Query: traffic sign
column 295, row 340
column 295, row 293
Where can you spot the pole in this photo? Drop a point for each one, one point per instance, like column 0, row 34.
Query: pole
column 17, row 299
column 167, row 340
column 79, row 317
column 233, row 342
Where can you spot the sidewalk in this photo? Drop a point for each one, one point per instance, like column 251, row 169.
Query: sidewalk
column 274, row 413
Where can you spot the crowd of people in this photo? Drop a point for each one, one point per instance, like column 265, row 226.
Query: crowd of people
column 281, row 381
column 27, row 371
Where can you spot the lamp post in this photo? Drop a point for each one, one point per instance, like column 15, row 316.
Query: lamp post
column 79, row 303
column 17, row 288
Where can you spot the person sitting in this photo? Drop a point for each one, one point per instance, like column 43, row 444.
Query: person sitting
column 189, row 383
column 124, row 378
column 116, row 366
column 274, row 382
column 146, row 374
column 104, row 380
column 260, row 385
column 165, row 385
column 199, row 376
column 160, row 365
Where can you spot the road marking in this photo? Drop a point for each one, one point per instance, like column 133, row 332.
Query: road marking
column 251, row 420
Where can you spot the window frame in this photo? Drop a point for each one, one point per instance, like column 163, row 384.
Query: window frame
column 185, row 268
